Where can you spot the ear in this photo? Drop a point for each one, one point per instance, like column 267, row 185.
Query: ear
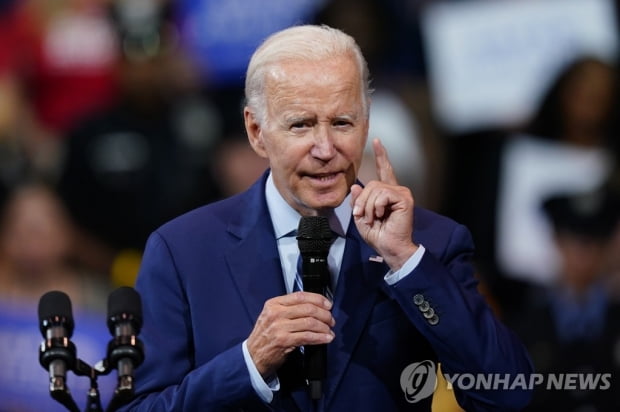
column 254, row 132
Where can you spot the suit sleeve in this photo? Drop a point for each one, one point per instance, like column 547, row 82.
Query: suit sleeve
column 169, row 379
column 464, row 332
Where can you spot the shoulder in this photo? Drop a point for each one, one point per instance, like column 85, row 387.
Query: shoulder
column 229, row 216
column 436, row 231
column 210, row 218
column 426, row 220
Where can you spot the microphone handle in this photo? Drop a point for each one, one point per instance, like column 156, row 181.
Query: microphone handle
column 58, row 372
column 315, row 276
column 125, row 353
column 58, row 388
column 125, row 374
column 124, row 389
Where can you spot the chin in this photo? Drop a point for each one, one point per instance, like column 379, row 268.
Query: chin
column 326, row 201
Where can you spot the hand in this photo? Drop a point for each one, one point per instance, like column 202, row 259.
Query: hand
column 286, row 322
column 383, row 212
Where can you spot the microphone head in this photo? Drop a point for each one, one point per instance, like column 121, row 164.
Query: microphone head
column 314, row 235
column 55, row 309
column 124, row 304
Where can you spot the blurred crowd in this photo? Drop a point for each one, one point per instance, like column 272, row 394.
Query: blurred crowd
column 117, row 115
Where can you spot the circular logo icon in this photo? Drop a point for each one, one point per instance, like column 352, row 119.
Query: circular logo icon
column 418, row 381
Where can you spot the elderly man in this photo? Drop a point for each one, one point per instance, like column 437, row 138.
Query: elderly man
column 224, row 327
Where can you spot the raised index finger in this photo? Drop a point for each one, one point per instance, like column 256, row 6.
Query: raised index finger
column 385, row 171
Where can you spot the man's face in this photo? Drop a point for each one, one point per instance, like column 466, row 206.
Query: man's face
column 315, row 131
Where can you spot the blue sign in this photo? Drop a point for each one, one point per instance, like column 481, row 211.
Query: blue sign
column 24, row 384
column 222, row 35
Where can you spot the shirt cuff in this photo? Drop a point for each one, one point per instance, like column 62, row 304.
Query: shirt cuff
column 411, row 263
column 263, row 389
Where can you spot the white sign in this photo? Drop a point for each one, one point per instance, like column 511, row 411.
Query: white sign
column 489, row 61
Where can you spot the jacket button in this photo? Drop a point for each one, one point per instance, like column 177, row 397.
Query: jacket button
column 418, row 299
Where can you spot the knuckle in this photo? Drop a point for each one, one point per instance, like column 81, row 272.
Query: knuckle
column 279, row 338
column 268, row 312
column 300, row 297
column 312, row 311
column 308, row 337
column 270, row 304
column 371, row 185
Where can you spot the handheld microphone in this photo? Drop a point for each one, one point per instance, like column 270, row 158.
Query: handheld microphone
column 314, row 238
column 57, row 353
column 125, row 350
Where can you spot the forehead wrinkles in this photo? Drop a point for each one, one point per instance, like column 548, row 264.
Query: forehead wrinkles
column 293, row 91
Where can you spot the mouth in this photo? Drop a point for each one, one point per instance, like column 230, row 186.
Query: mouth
column 324, row 178
column 323, row 190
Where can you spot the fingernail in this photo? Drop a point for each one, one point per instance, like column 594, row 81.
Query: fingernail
column 327, row 304
column 356, row 210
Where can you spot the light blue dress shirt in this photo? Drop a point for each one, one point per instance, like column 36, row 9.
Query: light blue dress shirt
column 285, row 221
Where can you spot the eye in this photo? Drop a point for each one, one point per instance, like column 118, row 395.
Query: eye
column 301, row 124
column 342, row 123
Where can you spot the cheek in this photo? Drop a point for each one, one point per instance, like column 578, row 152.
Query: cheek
column 355, row 154
column 286, row 159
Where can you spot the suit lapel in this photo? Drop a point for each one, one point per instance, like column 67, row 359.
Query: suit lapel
column 255, row 266
column 356, row 293
column 254, row 261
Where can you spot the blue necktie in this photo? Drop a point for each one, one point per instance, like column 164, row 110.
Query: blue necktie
column 299, row 283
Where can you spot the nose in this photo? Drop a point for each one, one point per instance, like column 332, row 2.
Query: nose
column 323, row 147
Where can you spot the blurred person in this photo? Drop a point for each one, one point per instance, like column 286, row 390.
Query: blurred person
column 568, row 146
column 614, row 264
column 35, row 246
column 63, row 56
column 21, row 145
column 236, row 165
column 144, row 160
column 498, row 177
column 570, row 326
column 13, row 160
column 35, row 255
column 73, row 61
column 217, row 283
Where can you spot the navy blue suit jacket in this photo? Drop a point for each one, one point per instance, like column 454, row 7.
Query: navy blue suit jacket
column 206, row 275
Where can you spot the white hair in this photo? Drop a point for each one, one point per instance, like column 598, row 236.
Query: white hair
column 305, row 42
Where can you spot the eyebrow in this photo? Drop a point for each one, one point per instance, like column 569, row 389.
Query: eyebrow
column 301, row 118
column 298, row 118
column 349, row 116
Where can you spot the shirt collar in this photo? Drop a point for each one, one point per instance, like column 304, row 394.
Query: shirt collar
column 285, row 219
